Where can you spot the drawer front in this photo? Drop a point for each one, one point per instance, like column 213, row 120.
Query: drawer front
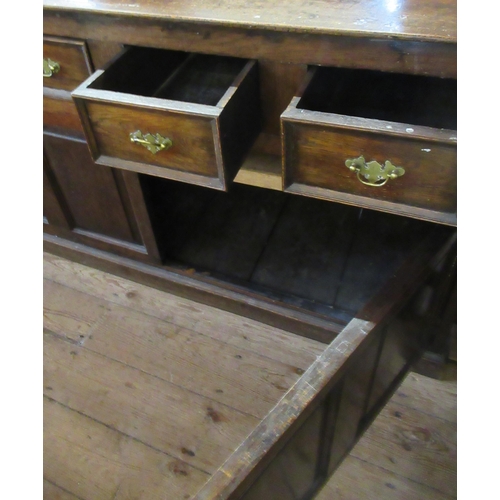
column 192, row 137
column 60, row 114
column 316, row 155
column 72, row 60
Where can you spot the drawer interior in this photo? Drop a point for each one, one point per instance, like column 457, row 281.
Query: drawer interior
column 179, row 76
column 323, row 257
column 410, row 99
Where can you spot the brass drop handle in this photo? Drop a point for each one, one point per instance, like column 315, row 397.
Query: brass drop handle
column 50, row 68
column 152, row 143
column 373, row 173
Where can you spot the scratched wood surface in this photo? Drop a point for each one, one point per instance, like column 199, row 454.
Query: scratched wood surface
column 146, row 393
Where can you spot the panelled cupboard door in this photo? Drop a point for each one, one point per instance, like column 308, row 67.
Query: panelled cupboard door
column 85, row 202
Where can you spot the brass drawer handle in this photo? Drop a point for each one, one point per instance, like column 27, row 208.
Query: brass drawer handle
column 373, row 173
column 50, row 68
column 152, row 143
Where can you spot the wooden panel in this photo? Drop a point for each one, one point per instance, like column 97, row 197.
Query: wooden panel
column 293, row 471
column 60, row 114
column 402, row 343
column 89, row 191
column 240, row 121
column 54, row 206
column 279, row 83
column 102, row 52
column 74, row 61
column 351, row 406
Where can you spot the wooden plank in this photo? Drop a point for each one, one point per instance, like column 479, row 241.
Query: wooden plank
column 432, row 397
column 85, row 459
column 356, row 479
column 73, row 315
column 173, row 420
column 261, row 170
column 413, row 444
column 240, row 379
column 246, row 334
column 53, row 492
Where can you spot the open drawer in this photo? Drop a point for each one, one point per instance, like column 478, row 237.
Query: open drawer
column 378, row 140
column 346, row 276
column 188, row 117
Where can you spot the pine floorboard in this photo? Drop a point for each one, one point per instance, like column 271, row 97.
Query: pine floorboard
column 146, row 394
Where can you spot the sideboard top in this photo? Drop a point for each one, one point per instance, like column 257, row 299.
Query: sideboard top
column 431, row 20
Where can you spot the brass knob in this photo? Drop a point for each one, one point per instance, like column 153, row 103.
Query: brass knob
column 152, row 143
column 373, row 173
column 50, row 68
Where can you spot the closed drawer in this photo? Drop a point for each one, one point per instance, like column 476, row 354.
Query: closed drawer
column 60, row 114
column 187, row 117
column 66, row 63
column 375, row 140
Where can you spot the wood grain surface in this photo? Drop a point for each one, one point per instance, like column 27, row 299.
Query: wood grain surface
column 408, row 18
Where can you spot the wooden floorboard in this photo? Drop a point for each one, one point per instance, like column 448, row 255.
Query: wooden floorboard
column 410, row 450
column 143, row 389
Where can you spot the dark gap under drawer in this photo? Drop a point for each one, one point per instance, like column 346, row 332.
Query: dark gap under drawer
column 409, row 99
column 317, row 255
